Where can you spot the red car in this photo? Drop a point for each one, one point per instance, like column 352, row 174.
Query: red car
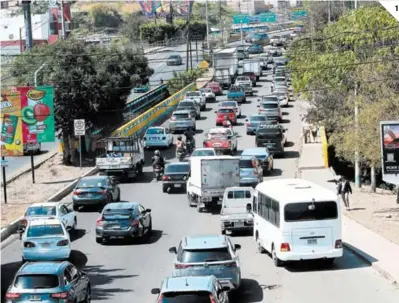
column 223, row 140
column 224, row 112
column 216, row 88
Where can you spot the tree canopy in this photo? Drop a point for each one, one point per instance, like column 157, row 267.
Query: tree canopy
column 359, row 53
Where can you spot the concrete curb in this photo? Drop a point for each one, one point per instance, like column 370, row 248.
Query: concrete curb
column 27, row 168
column 12, row 227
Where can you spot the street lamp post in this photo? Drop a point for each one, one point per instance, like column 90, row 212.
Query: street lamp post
column 37, row 71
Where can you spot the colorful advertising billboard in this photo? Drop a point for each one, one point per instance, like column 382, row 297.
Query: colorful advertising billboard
column 162, row 8
column 37, row 113
column 11, row 124
column 390, row 147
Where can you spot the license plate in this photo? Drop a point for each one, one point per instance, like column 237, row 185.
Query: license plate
column 35, row 298
column 45, row 244
column 217, row 145
column 115, row 226
column 177, row 185
column 312, row 241
column 90, row 195
column 270, row 145
column 206, row 199
column 238, row 224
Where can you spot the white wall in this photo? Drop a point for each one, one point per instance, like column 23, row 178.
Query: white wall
column 9, row 27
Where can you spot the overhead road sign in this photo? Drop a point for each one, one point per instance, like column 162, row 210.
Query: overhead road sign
column 268, row 17
column 237, row 19
column 297, row 14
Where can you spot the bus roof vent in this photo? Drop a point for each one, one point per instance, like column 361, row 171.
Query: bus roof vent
column 302, row 187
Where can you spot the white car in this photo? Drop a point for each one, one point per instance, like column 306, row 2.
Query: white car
column 198, row 97
column 51, row 210
column 157, row 137
column 243, row 80
column 283, row 97
column 209, row 94
column 231, row 104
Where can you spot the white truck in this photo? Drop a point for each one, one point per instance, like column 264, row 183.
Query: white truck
column 252, row 65
column 121, row 157
column 225, row 65
column 209, row 178
column 198, row 97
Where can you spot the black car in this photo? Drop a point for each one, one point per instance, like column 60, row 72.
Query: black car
column 175, row 176
column 271, row 136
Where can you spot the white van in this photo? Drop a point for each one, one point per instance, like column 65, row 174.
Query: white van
column 236, row 214
column 296, row 220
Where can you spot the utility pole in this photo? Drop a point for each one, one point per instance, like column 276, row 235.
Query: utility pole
column 191, row 54
column 355, row 4
column 207, row 24
column 329, row 11
column 357, row 158
column 63, row 21
column 221, row 22
column 312, row 47
column 170, row 12
column 28, row 25
column 188, row 40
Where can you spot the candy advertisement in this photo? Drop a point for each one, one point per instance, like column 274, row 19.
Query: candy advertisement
column 11, row 124
column 37, row 114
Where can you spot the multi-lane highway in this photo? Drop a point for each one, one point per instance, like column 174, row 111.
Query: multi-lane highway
column 124, row 272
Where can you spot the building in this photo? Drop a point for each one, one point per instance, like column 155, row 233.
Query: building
column 250, row 7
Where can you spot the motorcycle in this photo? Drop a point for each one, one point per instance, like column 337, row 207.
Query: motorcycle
column 189, row 146
column 158, row 172
column 227, row 124
column 180, row 155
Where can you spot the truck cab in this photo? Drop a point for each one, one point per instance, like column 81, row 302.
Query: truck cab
column 198, row 97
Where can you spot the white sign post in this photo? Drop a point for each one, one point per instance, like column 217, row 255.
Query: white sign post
column 80, row 130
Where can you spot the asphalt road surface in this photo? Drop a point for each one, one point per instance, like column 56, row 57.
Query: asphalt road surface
column 123, row 272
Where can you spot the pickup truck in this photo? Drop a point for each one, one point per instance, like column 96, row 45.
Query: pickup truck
column 236, row 93
column 198, row 97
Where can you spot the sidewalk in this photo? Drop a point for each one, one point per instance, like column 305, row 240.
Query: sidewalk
column 370, row 246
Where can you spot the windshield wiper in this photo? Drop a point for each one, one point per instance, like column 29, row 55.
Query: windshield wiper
column 211, row 260
column 41, row 287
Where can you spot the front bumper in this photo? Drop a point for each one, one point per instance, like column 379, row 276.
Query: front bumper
column 295, row 256
column 46, row 254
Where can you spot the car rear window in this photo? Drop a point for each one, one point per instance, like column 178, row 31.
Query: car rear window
column 225, row 111
column 45, row 230
column 257, row 118
column 41, row 211
column 178, row 168
column 84, row 183
column 245, row 85
column 294, row 212
column 269, row 105
column 268, row 99
column 186, row 297
column 36, row 281
column 235, row 88
column 119, row 213
column 193, row 94
column 269, row 130
column 185, row 104
column 155, row 131
column 202, row 153
column 205, row 255
column 181, row 116
column 246, row 163
column 228, row 104
column 239, row 194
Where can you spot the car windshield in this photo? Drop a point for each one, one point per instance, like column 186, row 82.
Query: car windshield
column 186, row 104
column 308, row 211
column 205, row 255
column 257, row 118
column 279, row 79
column 36, row 281
column 45, row 230
column 41, row 211
column 174, row 57
column 193, row 94
column 228, row 104
column 155, row 131
column 181, row 116
column 225, row 111
column 177, row 168
column 246, row 163
column 203, row 153
column 269, row 105
column 186, row 297
column 86, row 183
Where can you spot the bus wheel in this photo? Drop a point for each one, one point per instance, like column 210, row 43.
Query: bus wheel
column 261, row 250
column 277, row 262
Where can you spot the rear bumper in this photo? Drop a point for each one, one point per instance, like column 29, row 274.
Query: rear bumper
column 46, row 255
column 155, row 143
column 180, row 128
column 175, row 184
column 293, row 256
column 88, row 202
column 131, row 232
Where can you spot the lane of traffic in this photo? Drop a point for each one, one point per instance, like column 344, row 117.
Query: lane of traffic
column 121, row 271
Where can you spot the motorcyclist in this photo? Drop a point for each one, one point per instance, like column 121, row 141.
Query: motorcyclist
column 180, row 144
column 227, row 122
column 189, row 134
column 158, row 160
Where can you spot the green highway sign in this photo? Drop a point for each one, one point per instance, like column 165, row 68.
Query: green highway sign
column 268, row 17
column 237, row 19
column 298, row 14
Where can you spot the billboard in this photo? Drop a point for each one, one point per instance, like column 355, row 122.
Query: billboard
column 37, row 113
column 162, row 8
column 390, row 151
column 11, row 124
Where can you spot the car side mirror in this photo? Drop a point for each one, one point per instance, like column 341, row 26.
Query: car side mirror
column 237, row 246
column 173, row 250
column 246, row 120
column 147, row 211
column 249, row 207
column 258, row 106
column 155, row 291
column 216, row 111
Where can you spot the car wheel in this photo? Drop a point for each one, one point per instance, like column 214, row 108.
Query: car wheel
column 99, row 240
column 223, row 231
column 164, row 189
column 149, row 230
column 23, row 261
column 118, row 198
column 75, row 207
column 109, row 199
column 276, row 261
column 87, row 298
column 75, row 223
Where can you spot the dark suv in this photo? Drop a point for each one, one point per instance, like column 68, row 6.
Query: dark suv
column 271, row 136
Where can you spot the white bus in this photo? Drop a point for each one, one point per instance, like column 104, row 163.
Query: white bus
column 296, row 220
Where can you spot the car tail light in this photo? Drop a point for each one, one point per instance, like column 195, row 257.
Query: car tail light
column 232, row 264
column 102, row 192
column 23, row 222
column 165, row 178
column 60, row 295
column 182, row 266
column 77, row 192
column 172, row 118
column 212, row 298
column 29, row 244
column 160, row 299
column 135, row 223
column 63, row 243
column 338, row 243
column 285, row 247
column 229, row 143
column 12, row 296
column 99, row 221
column 248, row 123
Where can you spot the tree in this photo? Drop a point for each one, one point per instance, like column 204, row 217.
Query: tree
column 91, row 83
column 104, row 16
column 131, row 26
column 359, row 51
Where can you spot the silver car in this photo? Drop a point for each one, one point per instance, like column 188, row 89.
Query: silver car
column 181, row 120
column 174, row 60
column 247, row 88
column 191, row 106
column 270, row 107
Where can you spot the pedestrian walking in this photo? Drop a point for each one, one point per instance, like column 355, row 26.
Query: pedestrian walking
column 344, row 189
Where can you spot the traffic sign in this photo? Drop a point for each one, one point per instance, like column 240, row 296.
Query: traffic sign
column 4, row 163
column 204, row 64
column 268, row 17
column 298, row 14
column 237, row 19
column 79, row 127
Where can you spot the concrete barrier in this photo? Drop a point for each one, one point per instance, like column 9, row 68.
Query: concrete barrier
column 12, row 227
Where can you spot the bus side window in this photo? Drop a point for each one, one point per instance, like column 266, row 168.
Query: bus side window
column 254, row 205
column 247, row 194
